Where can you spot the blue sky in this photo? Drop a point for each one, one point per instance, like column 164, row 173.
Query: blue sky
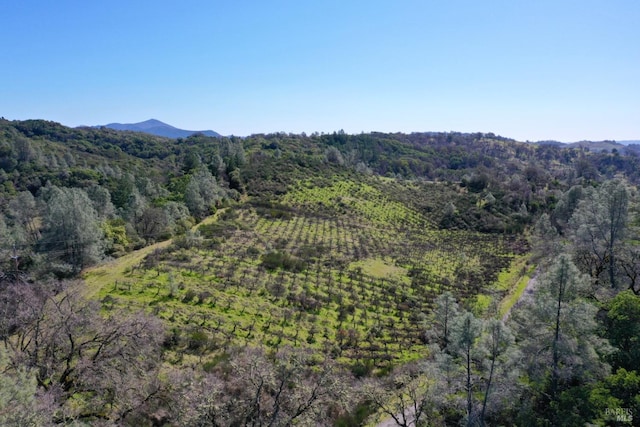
column 531, row 70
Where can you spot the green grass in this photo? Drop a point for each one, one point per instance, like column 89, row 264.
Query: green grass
column 371, row 270
column 514, row 281
column 380, row 268
column 99, row 277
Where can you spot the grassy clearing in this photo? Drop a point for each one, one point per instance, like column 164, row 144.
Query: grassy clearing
column 99, row 277
column 380, row 268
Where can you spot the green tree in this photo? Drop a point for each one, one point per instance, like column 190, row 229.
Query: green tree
column 101, row 199
column 72, row 232
column 442, row 320
column 545, row 242
column 620, row 391
column 21, row 403
column 557, row 332
column 122, row 193
column 202, row 192
column 623, row 330
column 598, row 226
column 566, row 206
column 498, row 359
column 24, row 212
column 465, row 334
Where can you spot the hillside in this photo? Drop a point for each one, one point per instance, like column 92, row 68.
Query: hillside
column 350, row 263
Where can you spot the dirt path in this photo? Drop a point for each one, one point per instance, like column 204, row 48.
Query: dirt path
column 526, row 295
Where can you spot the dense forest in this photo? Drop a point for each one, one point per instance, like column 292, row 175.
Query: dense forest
column 325, row 279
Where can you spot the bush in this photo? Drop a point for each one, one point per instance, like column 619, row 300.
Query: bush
column 197, row 340
column 274, row 260
column 189, row 296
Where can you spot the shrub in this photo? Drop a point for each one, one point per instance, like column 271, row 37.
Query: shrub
column 274, row 260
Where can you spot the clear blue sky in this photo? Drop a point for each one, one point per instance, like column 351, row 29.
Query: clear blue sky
column 526, row 69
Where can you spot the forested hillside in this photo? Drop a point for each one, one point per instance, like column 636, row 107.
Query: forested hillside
column 324, row 279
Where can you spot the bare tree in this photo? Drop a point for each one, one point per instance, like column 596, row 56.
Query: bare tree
column 99, row 368
column 629, row 262
column 410, row 396
column 253, row 390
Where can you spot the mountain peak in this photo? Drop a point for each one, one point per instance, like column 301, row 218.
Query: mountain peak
column 156, row 127
column 154, row 122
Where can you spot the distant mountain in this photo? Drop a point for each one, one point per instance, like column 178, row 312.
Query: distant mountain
column 156, row 127
column 629, row 142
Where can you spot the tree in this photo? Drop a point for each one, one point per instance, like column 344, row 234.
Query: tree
column 178, row 217
column 445, row 311
column 97, row 368
column 598, row 226
column 334, row 156
column 218, row 167
column 71, row 229
column 202, row 192
column 566, row 206
column 623, row 330
column 499, row 357
column 152, row 224
column 24, row 211
column 252, row 389
column 629, row 264
column 21, row 403
column 615, row 397
column 558, row 336
column 122, row 193
column 410, row 395
column 545, row 240
column 9, row 263
column 101, row 199
column 466, row 332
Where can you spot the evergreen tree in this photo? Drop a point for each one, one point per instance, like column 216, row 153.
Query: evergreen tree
column 598, row 226
column 465, row 333
column 202, row 192
column 558, row 337
column 442, row 320
column 623, row 330
column 24, row 212
column 71, row 229
column 499, row 359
